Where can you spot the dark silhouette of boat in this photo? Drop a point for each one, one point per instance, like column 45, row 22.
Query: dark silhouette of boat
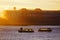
column 25, row 30
column 44, row 30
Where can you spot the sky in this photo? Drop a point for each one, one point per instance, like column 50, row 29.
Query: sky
column 30, row 4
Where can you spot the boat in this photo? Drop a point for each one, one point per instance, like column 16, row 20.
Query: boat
column 25, row 30
column 44, row 30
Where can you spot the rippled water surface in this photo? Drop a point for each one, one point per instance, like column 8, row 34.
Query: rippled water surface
column 11, row 33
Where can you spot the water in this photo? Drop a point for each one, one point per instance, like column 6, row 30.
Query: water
column 11, row 33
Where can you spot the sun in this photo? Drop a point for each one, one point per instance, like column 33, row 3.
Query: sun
column 2, row 15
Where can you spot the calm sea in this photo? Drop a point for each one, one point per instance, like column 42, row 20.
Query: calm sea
column 11, row 33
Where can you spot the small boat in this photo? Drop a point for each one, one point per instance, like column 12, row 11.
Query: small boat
column 44, row 30
column 25, row 30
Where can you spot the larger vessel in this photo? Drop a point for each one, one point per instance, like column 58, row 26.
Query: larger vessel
column 25, row 30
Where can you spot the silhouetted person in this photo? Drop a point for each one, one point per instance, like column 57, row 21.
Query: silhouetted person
column 21, row 28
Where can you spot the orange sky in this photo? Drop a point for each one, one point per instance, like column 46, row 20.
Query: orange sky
column 43, row 4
